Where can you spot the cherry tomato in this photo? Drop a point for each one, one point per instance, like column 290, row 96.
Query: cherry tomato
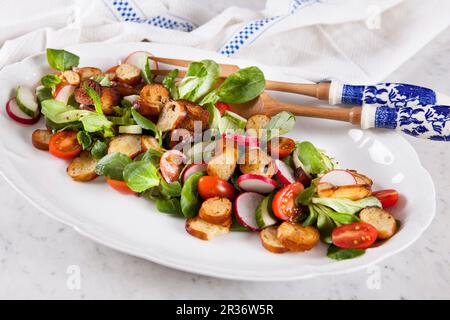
column 120, row 186
column 64, row 145
column 357, row 235
column 171, row 164
column 222, row 107
column 112, row 69
column 209, row 187
column 281, row 148
column 388, row 197
column 283, row 204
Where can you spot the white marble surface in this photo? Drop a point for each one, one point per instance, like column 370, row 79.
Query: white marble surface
column 36, row 251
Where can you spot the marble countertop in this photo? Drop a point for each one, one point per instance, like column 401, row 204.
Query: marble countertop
column 37, row 253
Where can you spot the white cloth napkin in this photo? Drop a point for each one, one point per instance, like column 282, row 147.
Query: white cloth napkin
column 349, row 40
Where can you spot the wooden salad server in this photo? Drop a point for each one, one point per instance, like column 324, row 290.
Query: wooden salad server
column 335, row 92
column 428, row 122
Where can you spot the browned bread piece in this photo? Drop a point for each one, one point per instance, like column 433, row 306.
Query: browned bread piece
column 216, row 210
column 203, row 230
column 223, row 164
column 295, row 237
column 149, row 142
column 82, row 168
column 110, row 98
column 81, row 96
column 195, row 114
column 88, row 72
column 270, row 241
column 128, row 144
column 256, row 123
column 353, row 192
column 128, row 73
column 382, row 220
column 256, row 161
column 172, row 114
column 71, row 77
column 41, row 139
column 152, row 98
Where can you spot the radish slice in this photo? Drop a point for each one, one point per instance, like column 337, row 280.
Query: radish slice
column 284, row 172
column 64, row 94
column 245, row 207
column 242, row 140
column 15, row 113
column 139, row 58
column 256, row 183
column 194, row 168
column 338, row 177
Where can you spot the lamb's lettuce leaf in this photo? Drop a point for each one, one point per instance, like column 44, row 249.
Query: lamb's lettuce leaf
column 62, row 60
column 141, row 175
column 342, row 205
column 169, row 83
column 201, row 76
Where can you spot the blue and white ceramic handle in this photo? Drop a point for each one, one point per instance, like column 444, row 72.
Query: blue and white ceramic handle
column 427, row 122
column 385, row 94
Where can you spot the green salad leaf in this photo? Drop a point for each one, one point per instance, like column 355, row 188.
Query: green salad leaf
column 232, row 122
column 171, row 206
column 62, row 60
column 141, row 175
column 147, row 124
column 169, row 83
column 84, row 139
column 280, row 124
column 343, row 254
column 190, row 202
column 99, row 149
column 214, row 115
column 343, row 205
column 146, row 72
column 242, row 86
column 311, row 158
column 93, row 122
column 103, row 80
column 201, row 76
column 50, row 80
column 43, row 93
column 113, row 165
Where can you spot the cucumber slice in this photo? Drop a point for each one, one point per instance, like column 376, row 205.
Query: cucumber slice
column 232, row 123
column 264, row 214
column 26, row 101
column 133, row 129
column 241, row 122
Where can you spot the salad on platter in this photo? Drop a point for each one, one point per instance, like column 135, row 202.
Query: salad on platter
column 180, row 143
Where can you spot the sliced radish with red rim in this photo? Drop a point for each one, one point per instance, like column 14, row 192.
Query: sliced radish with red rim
column 338, row 177
column 139, row 58
column 245, row 208
column 284, row 173
column 194, row 168
column 64, row 93
column 15, row 113
column 256, row 183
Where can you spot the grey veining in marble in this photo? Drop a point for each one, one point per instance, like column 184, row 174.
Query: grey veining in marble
column 36, row 252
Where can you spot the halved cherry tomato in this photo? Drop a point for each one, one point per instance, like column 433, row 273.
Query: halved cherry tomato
column 171, row 164
column 357, row 235
column 120, row 186
column 281, row 148
column 64, row 145
column 222, row 107
column 283, row 204
column 388, row 197
column 209, row 187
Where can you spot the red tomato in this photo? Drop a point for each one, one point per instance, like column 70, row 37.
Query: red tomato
column 171, row 164
column 222, row 107
column 281, row 148
column 209, row 187
column 388, row 197
column 283, row 204
column 112, row 69
column 120, row 186
column 64, row 145
column 357, row 235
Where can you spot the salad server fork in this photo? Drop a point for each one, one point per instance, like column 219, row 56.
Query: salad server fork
column 427, row 122
column 336, row 92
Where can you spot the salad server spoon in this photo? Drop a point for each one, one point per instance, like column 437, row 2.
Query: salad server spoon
column 427, row 122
